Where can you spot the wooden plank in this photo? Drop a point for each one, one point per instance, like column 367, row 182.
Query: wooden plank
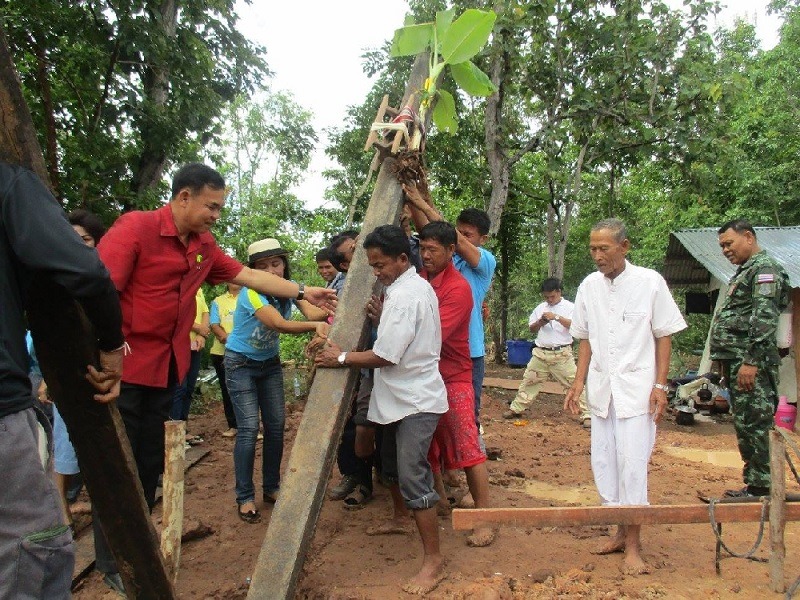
column 172, row 511
column 679, row 514
column 303, row 488
column 777, row 512
column 548, row 387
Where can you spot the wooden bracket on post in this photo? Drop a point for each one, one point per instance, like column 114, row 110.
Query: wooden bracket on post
column 402, row 128
column 328, row 407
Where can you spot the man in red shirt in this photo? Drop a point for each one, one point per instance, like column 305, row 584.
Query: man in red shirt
column 455, row 444
column 158, row 260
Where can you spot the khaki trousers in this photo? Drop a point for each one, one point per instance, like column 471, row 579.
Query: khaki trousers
column 560, row 365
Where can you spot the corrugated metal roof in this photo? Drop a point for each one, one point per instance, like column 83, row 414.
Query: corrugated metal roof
column 693, row 255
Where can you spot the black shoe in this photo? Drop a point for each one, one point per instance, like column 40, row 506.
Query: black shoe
column 344, row 489
column 748, row 491
column 114, row 581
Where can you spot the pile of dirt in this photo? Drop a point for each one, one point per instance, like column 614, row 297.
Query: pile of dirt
column 542, row 460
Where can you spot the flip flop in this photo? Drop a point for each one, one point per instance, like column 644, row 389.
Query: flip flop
column 249, row 516
column 358, row 498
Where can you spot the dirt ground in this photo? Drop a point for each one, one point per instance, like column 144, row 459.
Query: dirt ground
column 544, row 461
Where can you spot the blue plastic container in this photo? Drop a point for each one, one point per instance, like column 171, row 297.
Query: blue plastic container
column 519, row 352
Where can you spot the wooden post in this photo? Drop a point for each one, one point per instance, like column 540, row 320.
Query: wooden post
column 65, row 345
column 796, row 339
column 172, row 511
column 777, row 511
column 303, row 488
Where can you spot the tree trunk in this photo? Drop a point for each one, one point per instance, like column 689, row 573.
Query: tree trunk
column 49, row 112
column 503, row 281
column 150, row 168
column 496, row 157
column 18, row 142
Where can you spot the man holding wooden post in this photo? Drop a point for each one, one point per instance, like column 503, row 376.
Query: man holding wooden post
column 158, row 260
column 36, row 551
column 409, row 394
column 624, row 318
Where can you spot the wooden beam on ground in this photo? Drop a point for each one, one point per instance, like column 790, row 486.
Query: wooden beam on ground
column 777, row 511
column 294, row 517
column 172, row 511
column 678, row 514
column 65, row 345
column 548, row 387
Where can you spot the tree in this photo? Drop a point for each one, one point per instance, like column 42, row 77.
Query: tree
column 121, row 91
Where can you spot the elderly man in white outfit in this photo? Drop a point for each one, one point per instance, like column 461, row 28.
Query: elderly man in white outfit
column 624, row 318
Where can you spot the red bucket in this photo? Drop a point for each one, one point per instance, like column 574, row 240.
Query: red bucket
column 786, row 415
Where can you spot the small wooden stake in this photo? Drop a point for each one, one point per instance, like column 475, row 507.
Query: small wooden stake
column 777, row 511
column 172, row 513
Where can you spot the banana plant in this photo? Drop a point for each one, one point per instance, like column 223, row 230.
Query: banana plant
column 450, row 43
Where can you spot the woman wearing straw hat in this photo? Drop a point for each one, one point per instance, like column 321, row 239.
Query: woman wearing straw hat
column 255, row 378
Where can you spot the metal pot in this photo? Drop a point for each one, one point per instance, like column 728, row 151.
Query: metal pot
column 684, row 415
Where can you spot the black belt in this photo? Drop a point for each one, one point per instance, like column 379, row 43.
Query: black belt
column 554, row 348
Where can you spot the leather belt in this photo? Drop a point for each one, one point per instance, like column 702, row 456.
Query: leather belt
column 554, row 348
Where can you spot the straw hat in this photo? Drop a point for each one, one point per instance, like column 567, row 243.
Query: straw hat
column 263, row 249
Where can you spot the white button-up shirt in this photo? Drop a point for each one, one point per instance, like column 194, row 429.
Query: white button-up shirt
column 553, row 333
column 410, row 337
column 622, row 318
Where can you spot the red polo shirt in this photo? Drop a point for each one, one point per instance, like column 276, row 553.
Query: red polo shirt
column 455, row 307
column 157, row 278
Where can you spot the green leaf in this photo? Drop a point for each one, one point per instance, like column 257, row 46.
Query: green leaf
column 443, row 20
column 444, row 113
column 411, row 40
column 467, row 35
column 471, row 79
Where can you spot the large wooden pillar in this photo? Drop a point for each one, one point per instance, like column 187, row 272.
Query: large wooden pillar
column 65, row 345
column 303, row 487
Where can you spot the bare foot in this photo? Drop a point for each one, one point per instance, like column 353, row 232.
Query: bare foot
column 612, row 547
column 634, row 565
column 428, row 578
column 443, row 508
column 481, row 537
column 392, row 527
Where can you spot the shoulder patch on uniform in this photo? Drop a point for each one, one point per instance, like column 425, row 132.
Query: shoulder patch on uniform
column 766, row 289
column 766, row 278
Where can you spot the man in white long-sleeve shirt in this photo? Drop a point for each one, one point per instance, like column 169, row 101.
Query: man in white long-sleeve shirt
column 624, row 318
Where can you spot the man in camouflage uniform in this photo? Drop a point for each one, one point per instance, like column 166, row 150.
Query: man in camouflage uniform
column 743, row 339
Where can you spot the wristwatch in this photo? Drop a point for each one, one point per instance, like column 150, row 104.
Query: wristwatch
column 341, row 358
column 661, row 386
column 302, row 291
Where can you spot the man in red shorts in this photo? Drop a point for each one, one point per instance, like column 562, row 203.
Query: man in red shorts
column 455, row 443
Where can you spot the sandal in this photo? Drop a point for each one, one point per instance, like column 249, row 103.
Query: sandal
column 249, row 516
column 358, row 498
column 271, row 497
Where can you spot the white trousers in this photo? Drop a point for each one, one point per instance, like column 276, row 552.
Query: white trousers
column 621, row 451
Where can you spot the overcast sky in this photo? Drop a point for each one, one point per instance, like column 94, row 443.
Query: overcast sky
column 315, row 47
